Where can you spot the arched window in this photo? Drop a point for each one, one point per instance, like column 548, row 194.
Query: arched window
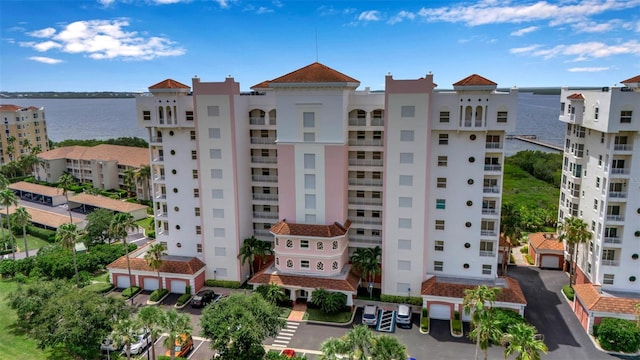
column 468, row 113
column 168, row 114
column 478, row 116
column 320, row 245
column 334, row 245
column 161, row 114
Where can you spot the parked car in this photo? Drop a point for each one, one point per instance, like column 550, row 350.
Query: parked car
column 108, row 345
column 202, row 298
column 403, row 315
column 289, row 353
column 141, row 343
column 370, row 315
column 183, row 344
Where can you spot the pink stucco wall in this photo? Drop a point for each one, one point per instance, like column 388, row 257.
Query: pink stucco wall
column 296, row 253
column 287, row 182
column 336, row 172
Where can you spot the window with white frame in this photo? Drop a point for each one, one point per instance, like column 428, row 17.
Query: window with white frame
column 441, row 183
column 215, row 153
column 214, row 133
column 440, row 204
column 320, row 266
column 218, row 213
column 405, row 202
column 309, row 201
column 218, row 232
column 309, row 181
column 309, row 161
column 438, row 265
column 406, row 158
column 308, row 119
column 334, row 266
column 404, row 265
column 216, row 173
column 444, row 116
column 502, row 116
column 309, row 137
column 304, row 264
column 442, row 161
column 217, row 194
column 443, row 139
column 213, row 110
column 220, row 251
column 334, row 245
column 438, row 245
column 407, row 111
column 289, row 263
column 406, row 135
column 289, row 243
column 304, row 244
column 625, row 116
column 486, row 269
column 439, row 224
column 607, row 279
column 406, row 180
column 404, row 244
column 319, row 245
column 199, row 248
column 404, row 223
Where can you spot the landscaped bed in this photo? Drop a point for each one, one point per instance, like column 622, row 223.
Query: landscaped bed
column 319, row 315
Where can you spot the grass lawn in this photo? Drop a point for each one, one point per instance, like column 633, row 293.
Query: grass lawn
column 523, row 189
column 100, row 277
column 13, row 343
column 284, row 312
column 146, row 223
column 319, row 315
column 32, row 241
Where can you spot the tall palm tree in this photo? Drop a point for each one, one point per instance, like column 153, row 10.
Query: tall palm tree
column 248, row 252
column 150, row 318
column 142, row 176
column 175, row 324
column 7, row 199
column 261, row 249
column 129, row 180
column 125, row 332
column 65, row 182
column 521, row 339
column 387, row 347
column 359, row 340
column 21, row 217
column 478, row 301
column 511, row 227
column 575, row 232
column 4, row 182
column 66, row 235
column 486, row 330
column 334, row 349
column 367, row 261
column 272, row 293
column 153, row 257
column 119, row 229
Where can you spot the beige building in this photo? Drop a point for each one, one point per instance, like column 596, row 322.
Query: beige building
column 104, row 166
column 23, row 128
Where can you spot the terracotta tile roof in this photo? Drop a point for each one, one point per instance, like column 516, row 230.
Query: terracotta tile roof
column 38, row 189
column 326, row 231
column 512, row 293
column 576, row 96
column 47, row 218
column 170, row 264
column 635, row 79
column 9, row 107
column 313, row 73
column 169, row 84
column 106, row 203
column 124, row 155
column 595, row 301
column 546, row 241
column 266, row 276
column 474, row 80
column 262, row 85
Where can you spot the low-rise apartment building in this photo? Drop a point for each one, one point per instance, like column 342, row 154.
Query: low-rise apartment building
column 23, row 128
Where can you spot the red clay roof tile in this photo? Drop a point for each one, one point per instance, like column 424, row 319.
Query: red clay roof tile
column 474, row 80
column 595, row 301
column 576, row 96
column 173, row 266
column 512, row 293
column 313, row 73
column 9, row 107
column 327, row 231
column 350, row 283
column 546, row 241
column 169, row 84
column 635, row 79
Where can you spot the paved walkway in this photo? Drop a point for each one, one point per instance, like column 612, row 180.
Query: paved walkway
column 519, row 257
column 297, row 313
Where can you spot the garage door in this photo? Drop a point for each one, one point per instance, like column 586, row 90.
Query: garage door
column 123, row 282
column 178, row 287
column 150, row 284
column 549, row 262
column 441, row 312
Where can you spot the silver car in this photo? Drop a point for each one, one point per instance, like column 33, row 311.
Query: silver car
column 370, row 315
column 403, row 315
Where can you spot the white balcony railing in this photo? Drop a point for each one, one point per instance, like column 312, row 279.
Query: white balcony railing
column 268, row 197
column 365, row 182
column 257, row 121
column 611, row 262
column 368, row 221
column 488, row 233
column 493, row 167
column 365, row 201
column 265, row 215
column 618, row 194
column 263, row 140
column 623, row 147
column 615, row 217
column 613, row 240
column 158, row 158
column 365, row 142
column 365, row 239
column 365, row 162
column 357, row 122
column 493, row 145
column 491, row 189
column 620, row 171
column 487, row 211
column 161, row 195
column 487, row 253
column 156, row 139
column 264, row 178
column 264, row 159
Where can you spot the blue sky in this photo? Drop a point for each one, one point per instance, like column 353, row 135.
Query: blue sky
column 128, row 45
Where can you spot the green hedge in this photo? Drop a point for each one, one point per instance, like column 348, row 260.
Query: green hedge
column 223, row 283
column 129, row 292
column 619, row 335
column 98, row 288
column 524, row 249
column 40, row 233
column 456, row 326
column 529, row 259
column 568, row 292
column 183, row 299
column 424, row 324
column 158, row 294
column 412, row 300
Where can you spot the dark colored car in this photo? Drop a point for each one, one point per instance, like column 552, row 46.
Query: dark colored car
column 202, row 298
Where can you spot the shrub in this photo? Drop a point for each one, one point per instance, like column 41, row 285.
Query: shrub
column 130, row 292
column 222, row 283
column 456, row 315
column 619, row 335
column 524, row 249
column 568, row 292
column 98, row 288
column 158, row 294
column 329, row 302
column 424, row 324
column 456, row 326
column 187, row 289
column 529, row 259
column 507, row 318
column 40, row 233
column 425, row 312
column 399, row 299
column 183, row 299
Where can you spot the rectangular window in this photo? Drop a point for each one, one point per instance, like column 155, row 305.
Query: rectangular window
column 440, row 204
column 188, row 115
column 443, row 139
column 146, row 115
column 442, row 161
column 595, row 204
column 197, row 211
column 218, row 213
column 309, row 201
column 439, row 224
column 625, row 116
column 192, row 135
column 486, row 269
column 215, row 153
column 196, row 193
column 404, row 223
column 304, row 244
column 596, row 113
column 221, row 272
column 309, row 161
column 439, row 245
column 217, row 194
column 309, row 218
column 502, row 116
column 198, row 230
column 407, row 111
column 309, row 137
column 438, row 265
column 213, row 110
column 220, row 251
column 304, row 264
column 405, row 202
column 309, row 119
column 194, row 155
column 444, row 116
column 214, row 133
column 218, row 232
column 404, row 265
column 441, row 183
column 406, row 135
column 406, row 158
column 194, row 173
column 404, row 244
column 198, row 248
column 406, row 180
column 216, row 173
column 607, row 279
column 309, row 181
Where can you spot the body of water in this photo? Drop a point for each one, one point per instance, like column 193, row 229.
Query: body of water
column 111, row 118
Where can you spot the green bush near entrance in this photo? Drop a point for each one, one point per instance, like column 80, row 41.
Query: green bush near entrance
column 129, row 292
column 158, row 294
column 398, row 299
column 619, row 335
column 568, row 292
column 223, row 283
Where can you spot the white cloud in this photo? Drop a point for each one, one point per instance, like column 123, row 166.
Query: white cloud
column 224, row 3
column 106, row 3
column 263, row 10
column 45, row 60
column 582, row 51
column 589, row 69
column 105, row 39
column 401, row 16
column 331, row 11
column 523, row 31
column 522, row 50
column 43, row 33
column 593, row 27
column 369, row 15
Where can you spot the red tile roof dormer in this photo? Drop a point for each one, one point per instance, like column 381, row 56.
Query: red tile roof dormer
column 10, row 107
column 327, row 231
column 635, row 79
column 475, row 80
column 576, row 96
column 595, row 301
column 313, row 73
column 169, row 84
column 545, row 241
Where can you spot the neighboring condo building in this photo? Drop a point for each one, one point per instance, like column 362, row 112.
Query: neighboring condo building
column 24, row 128
column 319, row 168
column 601, row 185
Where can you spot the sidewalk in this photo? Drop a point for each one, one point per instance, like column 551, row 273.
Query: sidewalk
column 519, row 257
column 297, row 313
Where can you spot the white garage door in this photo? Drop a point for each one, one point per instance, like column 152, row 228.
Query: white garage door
column 151, row 284
column 549, row 262
column 123, row 282
column 178, row 287
column 441, row 312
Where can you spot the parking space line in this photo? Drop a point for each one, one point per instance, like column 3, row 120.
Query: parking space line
column 195, row 349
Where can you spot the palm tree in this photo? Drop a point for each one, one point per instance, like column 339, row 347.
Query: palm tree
column 575, row 232
column 129, row 180
column 153, row 257
column 387, row 347
column 272, row 293
column 65, row 182
column 7, row 199
column 4, row 182
column 125, row 332
column 475, row 300
column 150, row 318
column 359, row 340
column 175, row 324
column 334, row 349
column 66, row 235
column 521, row 340
column 21, row 217
column 248, row 252
column 119, row 230
column 511, row 227
column 142, row 176
column 486, row 330
column 367, row 261
column 261, row 249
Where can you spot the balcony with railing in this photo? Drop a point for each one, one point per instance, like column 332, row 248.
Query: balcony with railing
column 492, row 167
column 265, row 215
column 262, row 233
column 365, row 201
column 487, row 253
column 365, row 182
column 365, row 142
column 617, row 194
column 365, row 162
column 158, row 158
column 257, row 120
column 263, row 140
column 377, row 121
column 493, row 145
column 619, row 171
column 613, row 240
column 488, row 232
column 623, row 147
column 155, row 139
column 606, row 262
column 365, row 239
column 265, row 197
column 613, row 217
column 491, row 189
column 489, row 211
column 356, row 121
column 367, row 220
column 264, row 159
column 158, row 177
column 264, row 178
column 160, row 195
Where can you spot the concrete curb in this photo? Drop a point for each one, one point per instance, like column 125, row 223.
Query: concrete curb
column 154, row 303
column 183, row 305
